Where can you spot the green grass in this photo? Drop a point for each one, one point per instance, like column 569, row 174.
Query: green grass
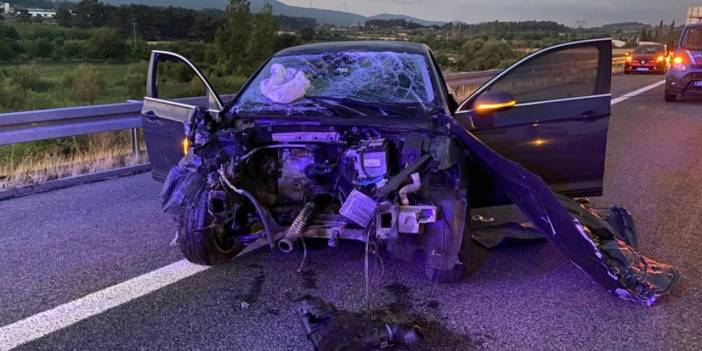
column 57, row 95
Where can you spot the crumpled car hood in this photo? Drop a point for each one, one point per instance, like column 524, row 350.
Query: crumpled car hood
column 591, row 243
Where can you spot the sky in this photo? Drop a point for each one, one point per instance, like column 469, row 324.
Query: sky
column 569, row 12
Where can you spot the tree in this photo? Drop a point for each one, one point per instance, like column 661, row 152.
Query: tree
column 64, row 17
column 204, row 27
column 90, row 13
column 39, row 48
column 479, row 55
column 106, row 44
column 262, row 41
column 233, row 37
column 9, row 45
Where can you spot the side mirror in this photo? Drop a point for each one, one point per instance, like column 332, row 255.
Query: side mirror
column 494, row 101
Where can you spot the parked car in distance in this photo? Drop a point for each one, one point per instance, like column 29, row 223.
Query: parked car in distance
column 684, row 77
column 647, row 58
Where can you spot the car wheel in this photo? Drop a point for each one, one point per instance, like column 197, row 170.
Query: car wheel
column 199, row 242
column 627, row 71
column 447, row 276
column 671, row 97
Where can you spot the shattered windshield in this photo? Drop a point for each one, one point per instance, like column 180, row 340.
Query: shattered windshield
column 341, row 83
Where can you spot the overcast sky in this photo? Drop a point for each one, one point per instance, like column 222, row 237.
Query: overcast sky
column 594, row 12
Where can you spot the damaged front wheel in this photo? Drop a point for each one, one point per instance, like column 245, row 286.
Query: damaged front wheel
column 199, row 239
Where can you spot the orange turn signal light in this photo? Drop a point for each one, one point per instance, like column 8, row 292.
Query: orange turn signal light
column 678, row 60
column 661, row 58
column 629, row 59
column 495, row 107
column 186, row 146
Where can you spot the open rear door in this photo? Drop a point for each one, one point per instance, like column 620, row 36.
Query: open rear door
column 557, row 124
column 172, row 82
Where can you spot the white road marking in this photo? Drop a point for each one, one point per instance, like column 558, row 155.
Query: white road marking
column 63, row 316
column 636, row 92
column 60, row 317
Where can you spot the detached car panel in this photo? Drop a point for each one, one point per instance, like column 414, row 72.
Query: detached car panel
column 357, row 141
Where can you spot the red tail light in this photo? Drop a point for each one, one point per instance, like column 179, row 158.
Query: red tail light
column 681, row 59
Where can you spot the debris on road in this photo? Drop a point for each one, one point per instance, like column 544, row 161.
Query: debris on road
column 330, row 329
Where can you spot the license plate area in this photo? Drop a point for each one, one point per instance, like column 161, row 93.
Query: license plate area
column 642, row 69
column 697, row 84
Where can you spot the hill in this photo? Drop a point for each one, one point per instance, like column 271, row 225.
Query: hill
column 337, row 18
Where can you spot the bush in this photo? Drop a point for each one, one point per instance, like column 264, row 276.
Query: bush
column 12, row 97
column 479, row 55
column 38, row 48
column 28, row 77
column 135, row 80
column 227, row 84
column 106, row 44
column 71, row 49
column 85, row 83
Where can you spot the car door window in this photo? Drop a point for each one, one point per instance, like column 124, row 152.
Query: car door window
column 176, row 80
column 568, row 73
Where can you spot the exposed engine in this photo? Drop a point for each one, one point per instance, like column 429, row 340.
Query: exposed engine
column 354, row 185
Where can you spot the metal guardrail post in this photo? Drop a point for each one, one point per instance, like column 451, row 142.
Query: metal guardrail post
column 135, row 142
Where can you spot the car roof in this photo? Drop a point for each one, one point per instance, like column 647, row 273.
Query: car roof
column 694, row 25
column 336, row 46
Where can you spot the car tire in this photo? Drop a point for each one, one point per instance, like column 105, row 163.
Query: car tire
column 197, row 241
column 454, row 275
column 627, row 72
column 671, row 97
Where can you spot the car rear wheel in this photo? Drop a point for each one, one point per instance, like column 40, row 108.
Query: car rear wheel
column 198, row 240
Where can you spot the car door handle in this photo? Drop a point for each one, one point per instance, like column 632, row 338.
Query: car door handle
column 589, row 115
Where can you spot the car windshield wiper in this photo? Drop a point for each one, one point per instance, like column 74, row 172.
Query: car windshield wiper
column 335, row 106
column 385, row 109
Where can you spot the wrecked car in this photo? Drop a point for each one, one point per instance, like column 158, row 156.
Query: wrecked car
column 364, row 141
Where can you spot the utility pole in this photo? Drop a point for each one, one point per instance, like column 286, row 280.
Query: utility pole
column 134, row 32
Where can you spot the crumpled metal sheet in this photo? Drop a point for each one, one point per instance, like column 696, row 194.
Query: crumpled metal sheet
column 602, row 254
column 192, row 172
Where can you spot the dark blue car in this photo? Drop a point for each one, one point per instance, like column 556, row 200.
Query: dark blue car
column 685, row 75
column 364, row 141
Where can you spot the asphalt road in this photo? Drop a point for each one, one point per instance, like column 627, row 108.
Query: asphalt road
column 59, row 246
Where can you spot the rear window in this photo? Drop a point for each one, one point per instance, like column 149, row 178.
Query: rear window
column 693, row 39
column 649, row 49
